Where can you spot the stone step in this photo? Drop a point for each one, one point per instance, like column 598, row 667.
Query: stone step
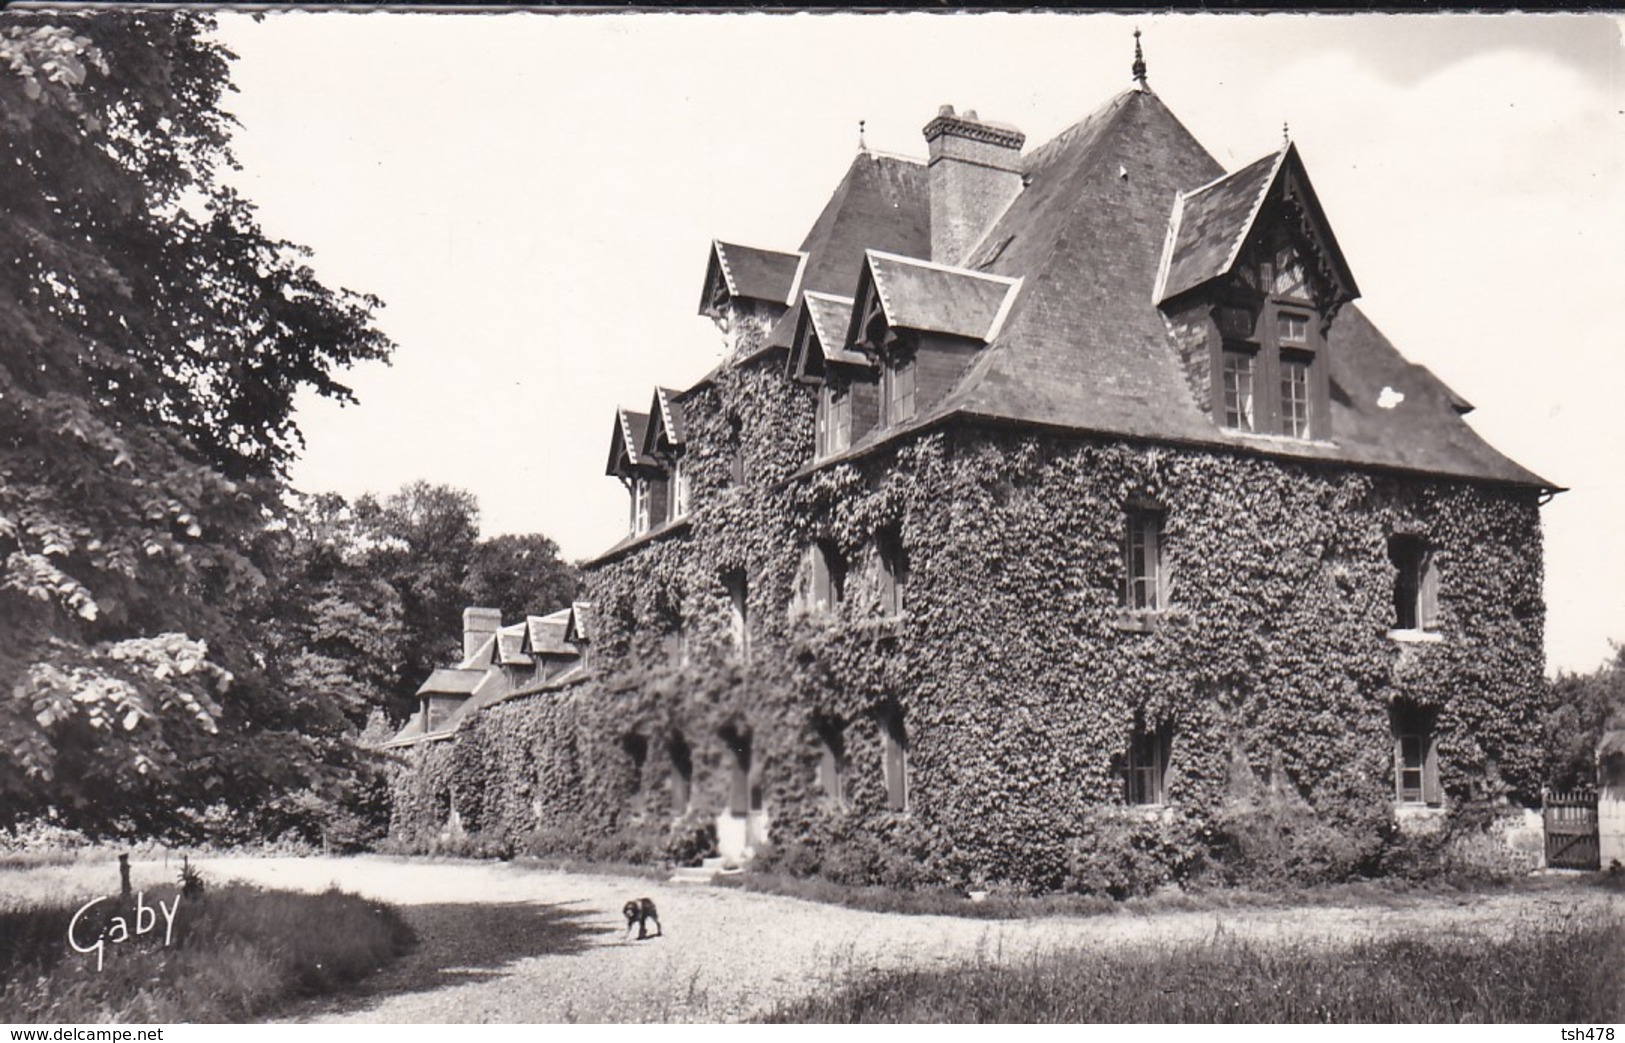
column 716, row 865
column 693, row 875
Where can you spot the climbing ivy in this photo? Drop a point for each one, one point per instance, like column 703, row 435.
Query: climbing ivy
column 1017, row 672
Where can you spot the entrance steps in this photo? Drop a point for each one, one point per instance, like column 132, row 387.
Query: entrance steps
column 704, row 873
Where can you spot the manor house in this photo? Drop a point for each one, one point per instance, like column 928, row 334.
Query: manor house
column 1036, row 484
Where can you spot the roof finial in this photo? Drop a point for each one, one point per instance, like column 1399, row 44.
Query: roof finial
column 1286, row 134
column 1139, row 62
column 862, row 147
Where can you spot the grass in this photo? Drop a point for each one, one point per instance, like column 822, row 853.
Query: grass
column 237, row 952
column 1566, row 974
column 1006, row 906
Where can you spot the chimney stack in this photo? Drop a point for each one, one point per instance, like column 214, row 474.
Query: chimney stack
column 479, row 624
column 974, row 173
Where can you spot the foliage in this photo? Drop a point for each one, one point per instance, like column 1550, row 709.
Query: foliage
column 1017, row 676
column 156, row 339
column 1564, row 973
column 520, row 574
column 237, row 952
column 1583, row 707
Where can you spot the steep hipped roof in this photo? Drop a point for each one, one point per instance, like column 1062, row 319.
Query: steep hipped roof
column 883, row 203
column 935, row 298
column 1085, row 346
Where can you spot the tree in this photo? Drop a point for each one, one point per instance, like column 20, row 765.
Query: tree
column 154, row 340
column 1583, row 707
column 521, row 575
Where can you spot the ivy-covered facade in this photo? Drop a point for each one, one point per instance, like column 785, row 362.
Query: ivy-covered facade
column 1036, row 490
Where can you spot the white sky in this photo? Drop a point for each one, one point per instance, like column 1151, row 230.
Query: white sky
column 533, row 196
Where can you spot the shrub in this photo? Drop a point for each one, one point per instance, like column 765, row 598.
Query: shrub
column 691, row 839
column 1127, row 851
column 1272, row 838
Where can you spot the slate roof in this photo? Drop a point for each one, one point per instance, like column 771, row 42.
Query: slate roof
column 935, row 298
column 883, row 203
column 580, row 627
column 547, row 633
column 510, row 646
column 1211, row 224
column 451, row 681
column 757, row 274
column 1085, row 347
column 828, row 317
column 626, row 441
column 665, row 417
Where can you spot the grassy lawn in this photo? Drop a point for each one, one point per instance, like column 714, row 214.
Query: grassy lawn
column 236, row 952
column 1569, row 974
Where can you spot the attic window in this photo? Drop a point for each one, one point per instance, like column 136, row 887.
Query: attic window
column 897, row 389
column 834, row 433
column 679, row 489
column 640, row 506
column 1239, row 386
column 1295, row 395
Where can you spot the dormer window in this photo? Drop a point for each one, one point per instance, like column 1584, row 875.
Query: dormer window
column 897, row 389
column 679, row 489
column 640, row 506
column 1239, row 375
column 834, row 419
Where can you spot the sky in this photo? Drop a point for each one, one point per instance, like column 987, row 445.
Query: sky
column 533, row 197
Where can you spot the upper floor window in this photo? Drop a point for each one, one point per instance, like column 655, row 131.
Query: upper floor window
column 738, row 610
column 679, row 489
column 892, row 562
column 1239, row 376
column 825, row 577
column 1416, row 583
column 1146, row 583
column 1295, row 395
column 736, row 450
column 641, row 499
column 834, row 419
column 897, row 389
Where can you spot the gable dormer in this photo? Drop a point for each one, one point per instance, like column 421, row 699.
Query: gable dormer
column 923, row 322
column 664, row 444
column 642, row 475
column 1252, row 268
column 846, row 380
column 747, row 289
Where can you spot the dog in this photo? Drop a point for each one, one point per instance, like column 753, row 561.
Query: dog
column 640, row 911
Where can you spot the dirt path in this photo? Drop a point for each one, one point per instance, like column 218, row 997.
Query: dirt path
column 501, row 943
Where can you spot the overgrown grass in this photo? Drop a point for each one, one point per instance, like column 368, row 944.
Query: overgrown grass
column 237, row 951
column 1568, row 973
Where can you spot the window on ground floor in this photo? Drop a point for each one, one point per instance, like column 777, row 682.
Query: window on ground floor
column 894, row 761
column 1416, row 756
column 1145, row 766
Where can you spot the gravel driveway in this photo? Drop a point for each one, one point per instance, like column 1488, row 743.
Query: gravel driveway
column 505, row 943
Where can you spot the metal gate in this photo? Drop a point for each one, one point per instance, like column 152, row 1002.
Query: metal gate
column 1571, row 830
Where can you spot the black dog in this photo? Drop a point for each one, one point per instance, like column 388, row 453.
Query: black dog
column 640, row 911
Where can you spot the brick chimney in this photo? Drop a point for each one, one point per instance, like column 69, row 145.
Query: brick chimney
column 479, row 624
column 975, row 171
